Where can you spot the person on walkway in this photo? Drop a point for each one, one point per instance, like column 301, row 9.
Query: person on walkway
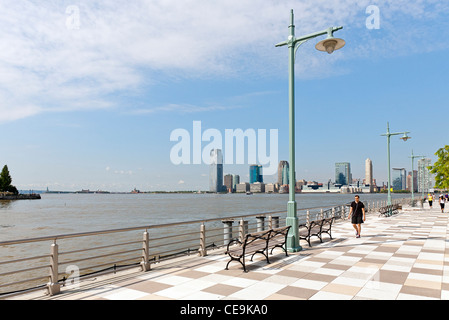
column 430, row 199
column 442, row 203
column 357, row 212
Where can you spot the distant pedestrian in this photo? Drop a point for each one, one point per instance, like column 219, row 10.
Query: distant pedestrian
column 430, row 199
column 442, row 203
column 357, row 215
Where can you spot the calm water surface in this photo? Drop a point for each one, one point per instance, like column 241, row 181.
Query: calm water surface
column 58, row 214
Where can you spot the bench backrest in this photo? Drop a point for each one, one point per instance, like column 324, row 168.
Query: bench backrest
column 282, row 231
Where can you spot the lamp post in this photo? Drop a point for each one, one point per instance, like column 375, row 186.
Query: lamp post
column 329, row 45
column 413, row 187
column 405, row 137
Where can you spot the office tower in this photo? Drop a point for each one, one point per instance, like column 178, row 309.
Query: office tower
column 235, row 181
column 399, row 178
column 426, row 180
column 255, row 173
column 343, row 174
column 415, row 181
column 283, row 172
column 216, row 171
column 228, row 182
column 368, row 172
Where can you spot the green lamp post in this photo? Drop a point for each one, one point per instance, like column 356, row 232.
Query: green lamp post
column 404, row 137
column 413, row 187
column 329, row 45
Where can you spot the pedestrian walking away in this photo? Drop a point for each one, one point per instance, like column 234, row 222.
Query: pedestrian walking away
column 430, row 199
column 442, row 203
column 357, row 215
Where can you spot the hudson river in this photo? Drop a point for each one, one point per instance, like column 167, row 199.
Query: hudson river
column 57, row 214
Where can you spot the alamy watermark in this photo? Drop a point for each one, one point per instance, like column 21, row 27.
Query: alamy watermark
column 373, row 20
column 189, row 148
column 73, row 20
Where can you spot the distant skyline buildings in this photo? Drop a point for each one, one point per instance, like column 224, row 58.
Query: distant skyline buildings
column 216, row 171
column 255, row 173
column 283, row 173
column 343, row 174
column 399, row 179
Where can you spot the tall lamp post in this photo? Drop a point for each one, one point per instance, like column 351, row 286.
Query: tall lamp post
column 388, row 135
column 329, row 45
column 413, row 187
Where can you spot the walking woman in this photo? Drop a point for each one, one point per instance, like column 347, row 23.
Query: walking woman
column 357, row 212
column 442, row 203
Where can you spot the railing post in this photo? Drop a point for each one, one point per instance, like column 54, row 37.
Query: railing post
column 145, row 264
column 53, row 286
column 274, row 222
column 260, row 223
column 308, row 218
column 227, row 231
column 321, row 214
column 203, row 250
column 333, row 212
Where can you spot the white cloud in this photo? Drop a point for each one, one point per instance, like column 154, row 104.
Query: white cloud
column 48, row 66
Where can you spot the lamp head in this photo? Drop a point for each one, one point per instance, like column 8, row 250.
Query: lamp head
column 405, row 137
column 330, row 44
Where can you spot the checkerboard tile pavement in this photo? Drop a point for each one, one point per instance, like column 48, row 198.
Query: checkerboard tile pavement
column 400, row 257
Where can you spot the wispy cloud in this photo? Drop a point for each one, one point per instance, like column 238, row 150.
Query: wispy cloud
column 48, row 64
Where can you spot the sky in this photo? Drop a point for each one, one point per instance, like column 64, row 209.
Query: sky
column 91, row 91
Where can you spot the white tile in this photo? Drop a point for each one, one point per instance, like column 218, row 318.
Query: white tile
column 173, row 280
column 323, row 295
column 309, row 284
column 258, row 291
column 240, row 282
column 125, row 294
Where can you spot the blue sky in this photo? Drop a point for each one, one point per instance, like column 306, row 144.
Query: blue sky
column 90, row 91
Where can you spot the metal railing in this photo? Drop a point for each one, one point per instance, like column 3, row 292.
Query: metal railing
column 30, row 266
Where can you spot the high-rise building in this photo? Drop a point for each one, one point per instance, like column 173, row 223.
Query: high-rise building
column 228, row 182
column 369, row 172
column 255, row 173
column 216, row 171
column 343, row 174
column 399, row 179
column 415, row 181
column 426, row 180
column 283, row 172
column 235, row 181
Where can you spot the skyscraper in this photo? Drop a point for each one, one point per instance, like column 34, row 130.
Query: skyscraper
column 343, row 174
column 255, row 173
column 216, row 171
column 283, row 172
column 426, row 180
column 399, row 177
column 368, row 172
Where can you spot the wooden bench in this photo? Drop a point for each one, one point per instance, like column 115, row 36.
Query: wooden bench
column 257, row 242
column 316, row 229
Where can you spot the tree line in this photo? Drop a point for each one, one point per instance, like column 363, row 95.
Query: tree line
column 6, row 180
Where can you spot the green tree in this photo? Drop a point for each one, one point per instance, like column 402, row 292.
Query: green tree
column 6, row 180
column 441, row 168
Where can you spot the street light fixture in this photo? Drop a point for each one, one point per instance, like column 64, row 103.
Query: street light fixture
column 328, row 45
column 405, row 137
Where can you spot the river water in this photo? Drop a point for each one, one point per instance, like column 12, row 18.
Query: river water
column 56, row 214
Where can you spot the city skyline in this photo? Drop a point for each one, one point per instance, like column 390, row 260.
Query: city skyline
column 91, row 91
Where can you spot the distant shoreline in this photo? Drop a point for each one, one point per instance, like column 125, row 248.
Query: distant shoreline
column 32, row 196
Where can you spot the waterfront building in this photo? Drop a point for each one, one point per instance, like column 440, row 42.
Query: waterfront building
column 343, row 174
column 415, row 181
column 369, row 174
column 283, row 173
column 426, row 180
column 255, row 173
column 242, row 187
column 399, row 179
column 235, row 181
column 216, row 171
column 228, row 182
column 271, row 188
column 257, row 187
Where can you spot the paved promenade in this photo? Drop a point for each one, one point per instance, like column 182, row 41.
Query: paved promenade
column 397, row 258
